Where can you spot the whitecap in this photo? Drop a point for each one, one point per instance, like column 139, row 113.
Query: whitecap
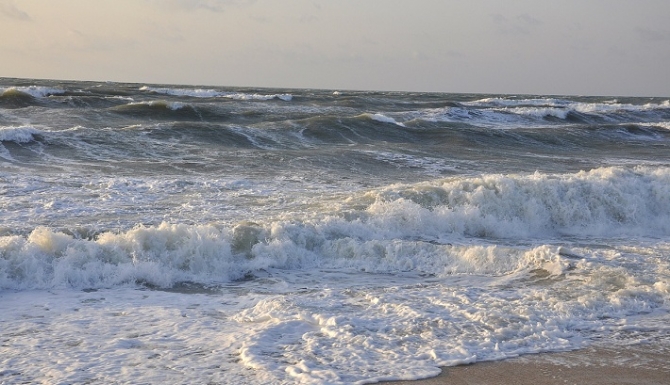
column 211, row 93
column 36, row 91
column 384, row 119
column 20, row 134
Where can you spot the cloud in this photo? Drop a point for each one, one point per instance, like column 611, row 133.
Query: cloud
column 649, row 35
column 523, row 24
column 308, row 19
column 260, row 19
column 78, row 41
column 162, row 32
column 204, row 5
column 10, row 10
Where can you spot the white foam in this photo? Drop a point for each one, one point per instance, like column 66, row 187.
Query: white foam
column 510, row 113
column 328, row 327
column 539, row 112
column 35, row 91
column 159, row 255
column 523, row 105
column 504, row 102
column 394, row 229
column 429, row 165
column 383, row 118
column 606, row 201
column 210, row 93
column 243, row 96
column 196, row 93
column 492, row 118
column 302, row 278
column 664, row 125
column 174, row 106
column 18, row 134
column 385, row 284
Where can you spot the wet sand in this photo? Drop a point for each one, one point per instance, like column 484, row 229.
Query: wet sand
column 642, row 364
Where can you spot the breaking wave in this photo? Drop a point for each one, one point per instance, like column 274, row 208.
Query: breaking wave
column 514, row 113
column 159, row 109
column 20, row 134
column 448, row 226
column 210, row 93
column 34, row 91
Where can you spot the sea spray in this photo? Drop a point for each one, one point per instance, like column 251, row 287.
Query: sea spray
column 201, row 234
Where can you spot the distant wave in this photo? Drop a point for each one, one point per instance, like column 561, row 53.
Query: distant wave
column 516, row 113
column 502, row 118
column 159, row 109
column 20, row 97
column 210, row 93
column 157, row 104
column 383, row 118
column 560, row 107
column 613, row 105
column 34, row 91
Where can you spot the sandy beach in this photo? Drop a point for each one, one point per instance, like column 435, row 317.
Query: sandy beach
column 643, row 364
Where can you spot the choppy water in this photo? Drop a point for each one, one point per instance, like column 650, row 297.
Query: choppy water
column 183, row 234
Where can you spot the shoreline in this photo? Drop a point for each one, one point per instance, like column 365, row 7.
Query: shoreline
column 639, row 364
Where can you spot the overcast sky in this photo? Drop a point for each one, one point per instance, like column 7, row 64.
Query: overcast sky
column 585, row 47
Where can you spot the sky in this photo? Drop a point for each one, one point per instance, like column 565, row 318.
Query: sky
column 566, row 47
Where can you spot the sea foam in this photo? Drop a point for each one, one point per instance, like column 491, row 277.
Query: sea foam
column 18, row 134
column 210, row 93
column 318, row 241
column 383, row 118
column 432, row 227
column 34, row 91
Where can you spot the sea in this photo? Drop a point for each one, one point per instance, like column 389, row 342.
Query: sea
column 154, row 234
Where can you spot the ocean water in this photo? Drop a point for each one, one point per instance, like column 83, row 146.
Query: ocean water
column 193, row 234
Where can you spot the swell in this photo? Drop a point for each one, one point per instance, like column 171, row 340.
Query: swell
column 403, row 109
column 162, row 110
column 13, row 98
column 365, row 142
column 377, row 128
column 518, row 115
column 211, row 93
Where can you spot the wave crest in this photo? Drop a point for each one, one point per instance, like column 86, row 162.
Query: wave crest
column 510, row 113
column 20, row 134
column 442, row 227
column 34, row 91
column 210, row 93
column 601, row 202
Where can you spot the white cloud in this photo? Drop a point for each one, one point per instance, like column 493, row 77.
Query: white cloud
column 85, row 42
column 651, row 35
column 205, row 5
column 523, row 24
column 10, row 10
